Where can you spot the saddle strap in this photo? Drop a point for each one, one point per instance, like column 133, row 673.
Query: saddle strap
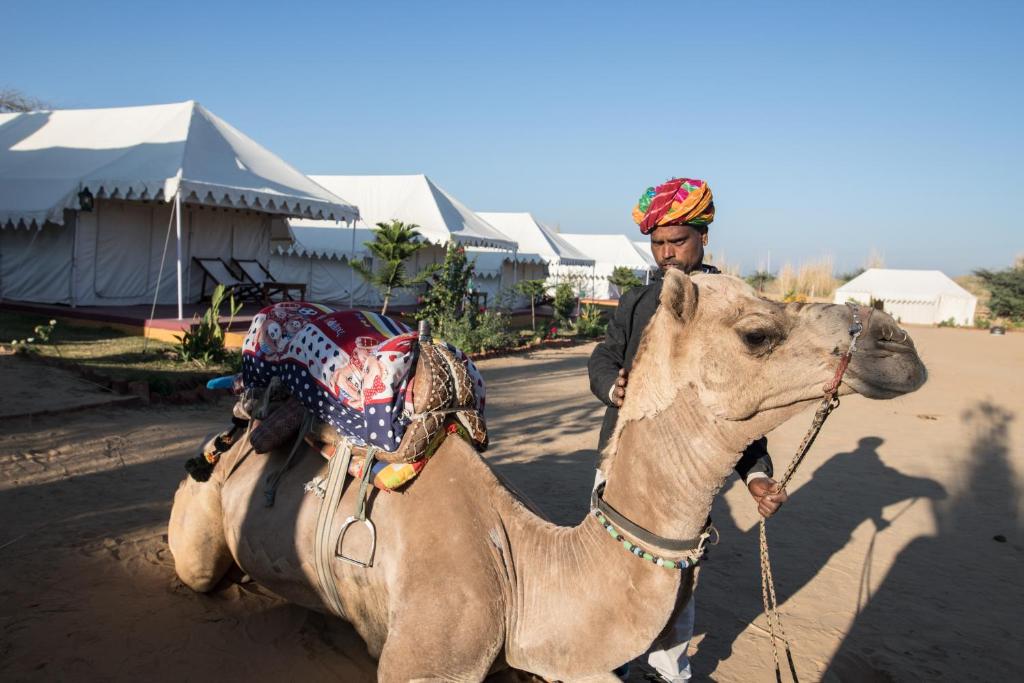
column 323, row 549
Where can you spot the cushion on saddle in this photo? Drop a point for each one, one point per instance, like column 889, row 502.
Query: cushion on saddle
column 354, row 370
column 389, row 476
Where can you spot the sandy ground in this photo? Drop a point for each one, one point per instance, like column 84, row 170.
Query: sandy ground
column 887, row 559
column 63, row 390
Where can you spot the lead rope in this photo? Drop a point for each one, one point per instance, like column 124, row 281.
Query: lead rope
column 829, row 403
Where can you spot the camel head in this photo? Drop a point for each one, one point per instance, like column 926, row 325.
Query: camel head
column 744, row 357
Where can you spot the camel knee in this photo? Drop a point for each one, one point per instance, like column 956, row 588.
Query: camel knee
column 202, row 578
column 195, row 536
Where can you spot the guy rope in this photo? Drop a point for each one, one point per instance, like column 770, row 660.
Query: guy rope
column 829, row 402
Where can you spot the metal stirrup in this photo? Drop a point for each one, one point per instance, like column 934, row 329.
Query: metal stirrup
column 360, row 516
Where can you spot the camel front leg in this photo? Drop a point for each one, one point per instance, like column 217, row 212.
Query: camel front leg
column 195, row 535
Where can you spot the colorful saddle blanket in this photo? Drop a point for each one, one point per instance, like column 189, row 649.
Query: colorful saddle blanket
column 352, row 369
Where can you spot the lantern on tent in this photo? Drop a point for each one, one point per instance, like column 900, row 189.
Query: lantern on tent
column 85, row 200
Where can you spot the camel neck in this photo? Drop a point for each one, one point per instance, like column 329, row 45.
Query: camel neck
column 663, row 476
column 580, row 602
column 666, row 469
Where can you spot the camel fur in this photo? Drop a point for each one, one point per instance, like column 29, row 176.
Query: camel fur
column 467, row 580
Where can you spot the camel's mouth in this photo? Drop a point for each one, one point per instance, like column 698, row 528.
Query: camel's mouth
column 889, row 371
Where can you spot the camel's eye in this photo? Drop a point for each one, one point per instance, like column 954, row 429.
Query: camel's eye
column 759, row 335
column 755, row 338
column 758, row 341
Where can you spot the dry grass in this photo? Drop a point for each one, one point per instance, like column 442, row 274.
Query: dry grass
column 875, row 259
column 718, row 260
column 810, row 280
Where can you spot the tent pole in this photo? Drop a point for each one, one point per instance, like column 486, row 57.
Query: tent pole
column 351, row 270
column 74, row 262
column 177, row 223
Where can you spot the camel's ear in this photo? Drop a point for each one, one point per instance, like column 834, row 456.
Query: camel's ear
column 679, row 295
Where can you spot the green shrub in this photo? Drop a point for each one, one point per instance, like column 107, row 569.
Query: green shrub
column 1007, row 287
column 564, row 303
column 591, row 322
column 447, row 293
column 203, row 343
column 760, row 280
column 487, row 331
column 625, row 279
column 948, row 322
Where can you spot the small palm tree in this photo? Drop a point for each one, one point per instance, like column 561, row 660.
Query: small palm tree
column 393, row 244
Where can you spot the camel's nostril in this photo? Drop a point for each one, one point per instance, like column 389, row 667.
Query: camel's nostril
column 891, row 333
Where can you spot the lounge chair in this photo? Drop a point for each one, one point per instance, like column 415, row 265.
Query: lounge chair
column 216, row 272
column 255, row 273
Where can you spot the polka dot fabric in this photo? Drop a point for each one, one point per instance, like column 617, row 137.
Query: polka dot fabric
column 351, row 368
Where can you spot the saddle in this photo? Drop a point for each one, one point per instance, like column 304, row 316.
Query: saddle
column 441, row 391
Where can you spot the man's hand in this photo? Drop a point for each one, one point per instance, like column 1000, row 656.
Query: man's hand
column 619, row 388
column 767, row 494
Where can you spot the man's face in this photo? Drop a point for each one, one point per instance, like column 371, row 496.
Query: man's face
column 678, row 246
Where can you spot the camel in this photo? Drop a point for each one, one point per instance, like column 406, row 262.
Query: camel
column 468, row 580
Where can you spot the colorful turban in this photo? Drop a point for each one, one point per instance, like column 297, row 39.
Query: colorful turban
column 680, row 201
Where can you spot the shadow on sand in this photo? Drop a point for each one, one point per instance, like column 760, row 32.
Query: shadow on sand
column 949, row 607
column 820, row 519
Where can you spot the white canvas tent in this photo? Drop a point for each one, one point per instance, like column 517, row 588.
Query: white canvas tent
column 148, row 171
column 925, row 297
column 320, row 258
column 644, row 247
column 412, row 199
column 439, row 217
column 542, row 255
column 610, row 252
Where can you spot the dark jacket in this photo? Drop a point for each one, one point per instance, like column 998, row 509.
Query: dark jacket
column 636, row 307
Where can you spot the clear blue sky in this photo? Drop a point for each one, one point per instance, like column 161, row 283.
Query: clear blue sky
column 823, row 129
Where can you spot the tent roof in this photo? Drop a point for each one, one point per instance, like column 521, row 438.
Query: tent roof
column 537, row 242
column 327, row 242
column 413, row 199
column 904, row 284
column 149, row 152
column 645, row 250
column 609, row 251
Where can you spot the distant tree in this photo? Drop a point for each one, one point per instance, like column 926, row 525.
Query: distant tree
column 846, row 277
column 393, row 244
column 760, row 280
column 444, row 303
column 624, row 278
column 564, row 303
column 12, row 100
column 1007, row 287
column 534, row 291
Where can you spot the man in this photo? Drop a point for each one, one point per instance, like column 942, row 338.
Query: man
column 676, row 215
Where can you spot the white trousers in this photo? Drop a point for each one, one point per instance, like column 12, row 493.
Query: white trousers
column 668, row 655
